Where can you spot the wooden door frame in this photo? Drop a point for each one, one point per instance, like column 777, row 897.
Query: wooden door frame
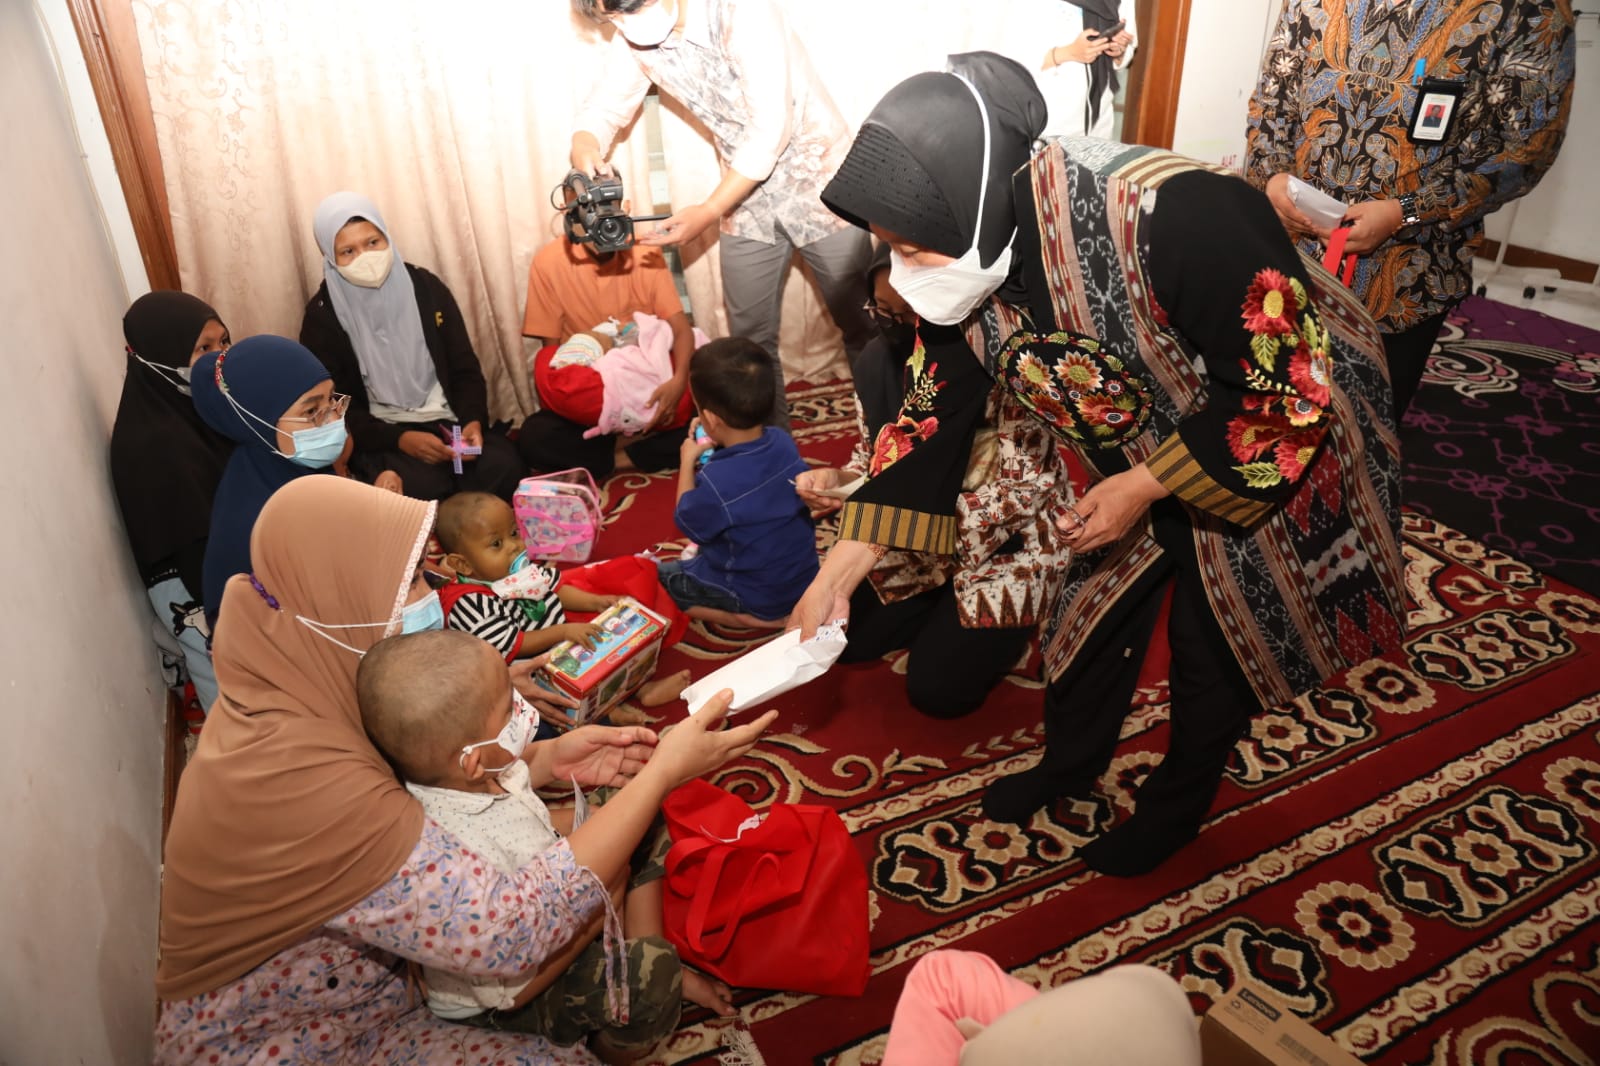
column 110, row 43
column 1151, row 112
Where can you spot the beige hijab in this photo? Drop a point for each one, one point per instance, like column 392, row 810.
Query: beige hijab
column 287, row 815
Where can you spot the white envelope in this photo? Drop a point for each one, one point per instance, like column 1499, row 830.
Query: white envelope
column 1322, row 209
column 770, row 670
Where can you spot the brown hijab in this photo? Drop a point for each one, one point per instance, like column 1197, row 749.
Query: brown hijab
column 287, row 815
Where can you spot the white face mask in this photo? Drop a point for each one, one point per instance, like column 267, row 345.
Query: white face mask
column 648, row 26
column 513, row 737
column 947, row 294
column 369, row 269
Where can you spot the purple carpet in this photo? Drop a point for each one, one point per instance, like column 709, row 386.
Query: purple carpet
column 1503, row 439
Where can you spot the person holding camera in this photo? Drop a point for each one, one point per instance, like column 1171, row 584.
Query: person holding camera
column 779, row 137
column 576, row 282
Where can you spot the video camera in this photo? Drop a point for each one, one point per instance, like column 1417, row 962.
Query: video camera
column 592, row 212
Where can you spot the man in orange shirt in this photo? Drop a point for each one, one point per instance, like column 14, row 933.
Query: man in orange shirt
column 571, row 289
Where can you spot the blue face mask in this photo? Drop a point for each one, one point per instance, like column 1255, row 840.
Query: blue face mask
column 427, row 613
column 318, row 446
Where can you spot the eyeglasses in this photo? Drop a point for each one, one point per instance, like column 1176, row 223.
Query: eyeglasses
column 883, row 318
column 335, row 409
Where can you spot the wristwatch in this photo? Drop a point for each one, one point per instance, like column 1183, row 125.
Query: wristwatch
column 1408, row 209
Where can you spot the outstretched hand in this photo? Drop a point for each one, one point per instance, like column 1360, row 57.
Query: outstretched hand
column 596, row 756
column 699, row 744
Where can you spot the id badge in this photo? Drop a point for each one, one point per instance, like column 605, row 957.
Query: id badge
column 1434, row 114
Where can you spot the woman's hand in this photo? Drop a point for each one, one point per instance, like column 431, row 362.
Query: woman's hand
column 1110, row 508
column 1086, row 48
column 472, row 437
column 594, row 755
column 808, row 487
column 1291, row 216
column 665, row 400
column 698, row 744
column 681, row 226
column 822, row 603
column 390, row 481
column 1371, row 223
column 1120, row 44
column 549, row 703
column 425, row 446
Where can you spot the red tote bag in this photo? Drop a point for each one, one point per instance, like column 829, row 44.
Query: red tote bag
column 776, row 899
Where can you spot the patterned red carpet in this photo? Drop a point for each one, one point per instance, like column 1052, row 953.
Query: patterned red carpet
column 1407, row 856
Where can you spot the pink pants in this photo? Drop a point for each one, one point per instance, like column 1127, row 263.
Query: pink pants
column 944, row 986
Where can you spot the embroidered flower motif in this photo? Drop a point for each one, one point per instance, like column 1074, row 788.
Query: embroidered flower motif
column 895, row 441
column 1270, row 305
column 1250, row 435
column 1105, row 414
column 1294, row 454
column 1077, row 371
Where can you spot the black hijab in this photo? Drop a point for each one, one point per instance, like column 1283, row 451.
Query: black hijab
column 165, row 462
column 916, row 167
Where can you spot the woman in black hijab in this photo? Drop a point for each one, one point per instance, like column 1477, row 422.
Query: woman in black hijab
column 1228, row 399
column 1078, row 73
column 166, row 463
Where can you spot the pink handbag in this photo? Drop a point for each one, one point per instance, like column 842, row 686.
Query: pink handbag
column 559, row 515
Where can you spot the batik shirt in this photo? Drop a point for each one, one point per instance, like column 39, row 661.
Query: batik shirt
column 1334, row 103
column 749, row 80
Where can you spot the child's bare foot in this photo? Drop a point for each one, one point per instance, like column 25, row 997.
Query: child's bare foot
column 708, row 992
column 663, row 689
column 622, row 714
column 740, row 621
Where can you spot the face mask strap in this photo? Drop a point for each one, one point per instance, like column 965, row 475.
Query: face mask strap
column 170, row 374
column 227, row 394
column 321, row 630
column 983, row 185
column 461, row 760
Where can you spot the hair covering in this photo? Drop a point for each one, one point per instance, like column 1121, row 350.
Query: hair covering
column 287, row 815
column 384, row 325
column 165, row 462
column 265, row 376
column 916, row 167
column 1125, row 1016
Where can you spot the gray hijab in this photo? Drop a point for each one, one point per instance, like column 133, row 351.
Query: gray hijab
column 383, row 324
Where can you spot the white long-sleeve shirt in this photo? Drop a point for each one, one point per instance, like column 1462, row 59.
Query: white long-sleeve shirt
column 739, row 69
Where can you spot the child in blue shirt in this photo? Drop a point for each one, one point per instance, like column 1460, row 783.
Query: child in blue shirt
column 757, row 543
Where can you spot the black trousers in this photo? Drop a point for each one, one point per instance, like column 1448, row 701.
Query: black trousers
column 1407, row 354
column 549, row 442
column 1212, row 703
column 496, row 471
column 951, row 669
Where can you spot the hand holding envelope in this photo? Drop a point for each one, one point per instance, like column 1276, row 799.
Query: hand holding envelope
column 772, row 669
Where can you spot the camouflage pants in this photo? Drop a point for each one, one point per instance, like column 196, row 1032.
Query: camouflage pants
column 575, row 1005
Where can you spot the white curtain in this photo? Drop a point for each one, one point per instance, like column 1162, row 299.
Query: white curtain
column 456, row 120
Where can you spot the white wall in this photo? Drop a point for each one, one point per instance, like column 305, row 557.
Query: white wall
column 80, row 771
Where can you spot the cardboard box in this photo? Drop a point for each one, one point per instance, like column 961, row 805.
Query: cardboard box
column 1251, row 1027
column 603, row 676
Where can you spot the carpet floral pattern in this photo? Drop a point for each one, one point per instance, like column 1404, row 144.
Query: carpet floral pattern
column 1406, row 856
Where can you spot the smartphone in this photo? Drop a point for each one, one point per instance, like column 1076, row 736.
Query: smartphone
column 1113, row 31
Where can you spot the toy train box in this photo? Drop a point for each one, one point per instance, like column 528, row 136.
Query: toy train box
column 623, row 658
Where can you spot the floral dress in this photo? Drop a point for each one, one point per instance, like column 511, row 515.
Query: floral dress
column 342, row 994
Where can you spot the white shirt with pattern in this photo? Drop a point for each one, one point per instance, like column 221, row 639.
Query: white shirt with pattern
column 739, row 69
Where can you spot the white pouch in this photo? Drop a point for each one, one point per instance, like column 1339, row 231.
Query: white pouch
column 1322, row 209
column 771, row 670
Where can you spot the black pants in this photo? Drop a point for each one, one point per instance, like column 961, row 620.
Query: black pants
column 496, row 471
column 1212, row 703
column 951, row 669
column 549, row 442
column 1407, row 354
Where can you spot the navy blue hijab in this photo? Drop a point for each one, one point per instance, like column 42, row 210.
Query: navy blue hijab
column 264, row 376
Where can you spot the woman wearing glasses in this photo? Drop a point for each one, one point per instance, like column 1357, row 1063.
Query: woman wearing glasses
column 275, row 401
column 964, row 615
column 392, row 336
